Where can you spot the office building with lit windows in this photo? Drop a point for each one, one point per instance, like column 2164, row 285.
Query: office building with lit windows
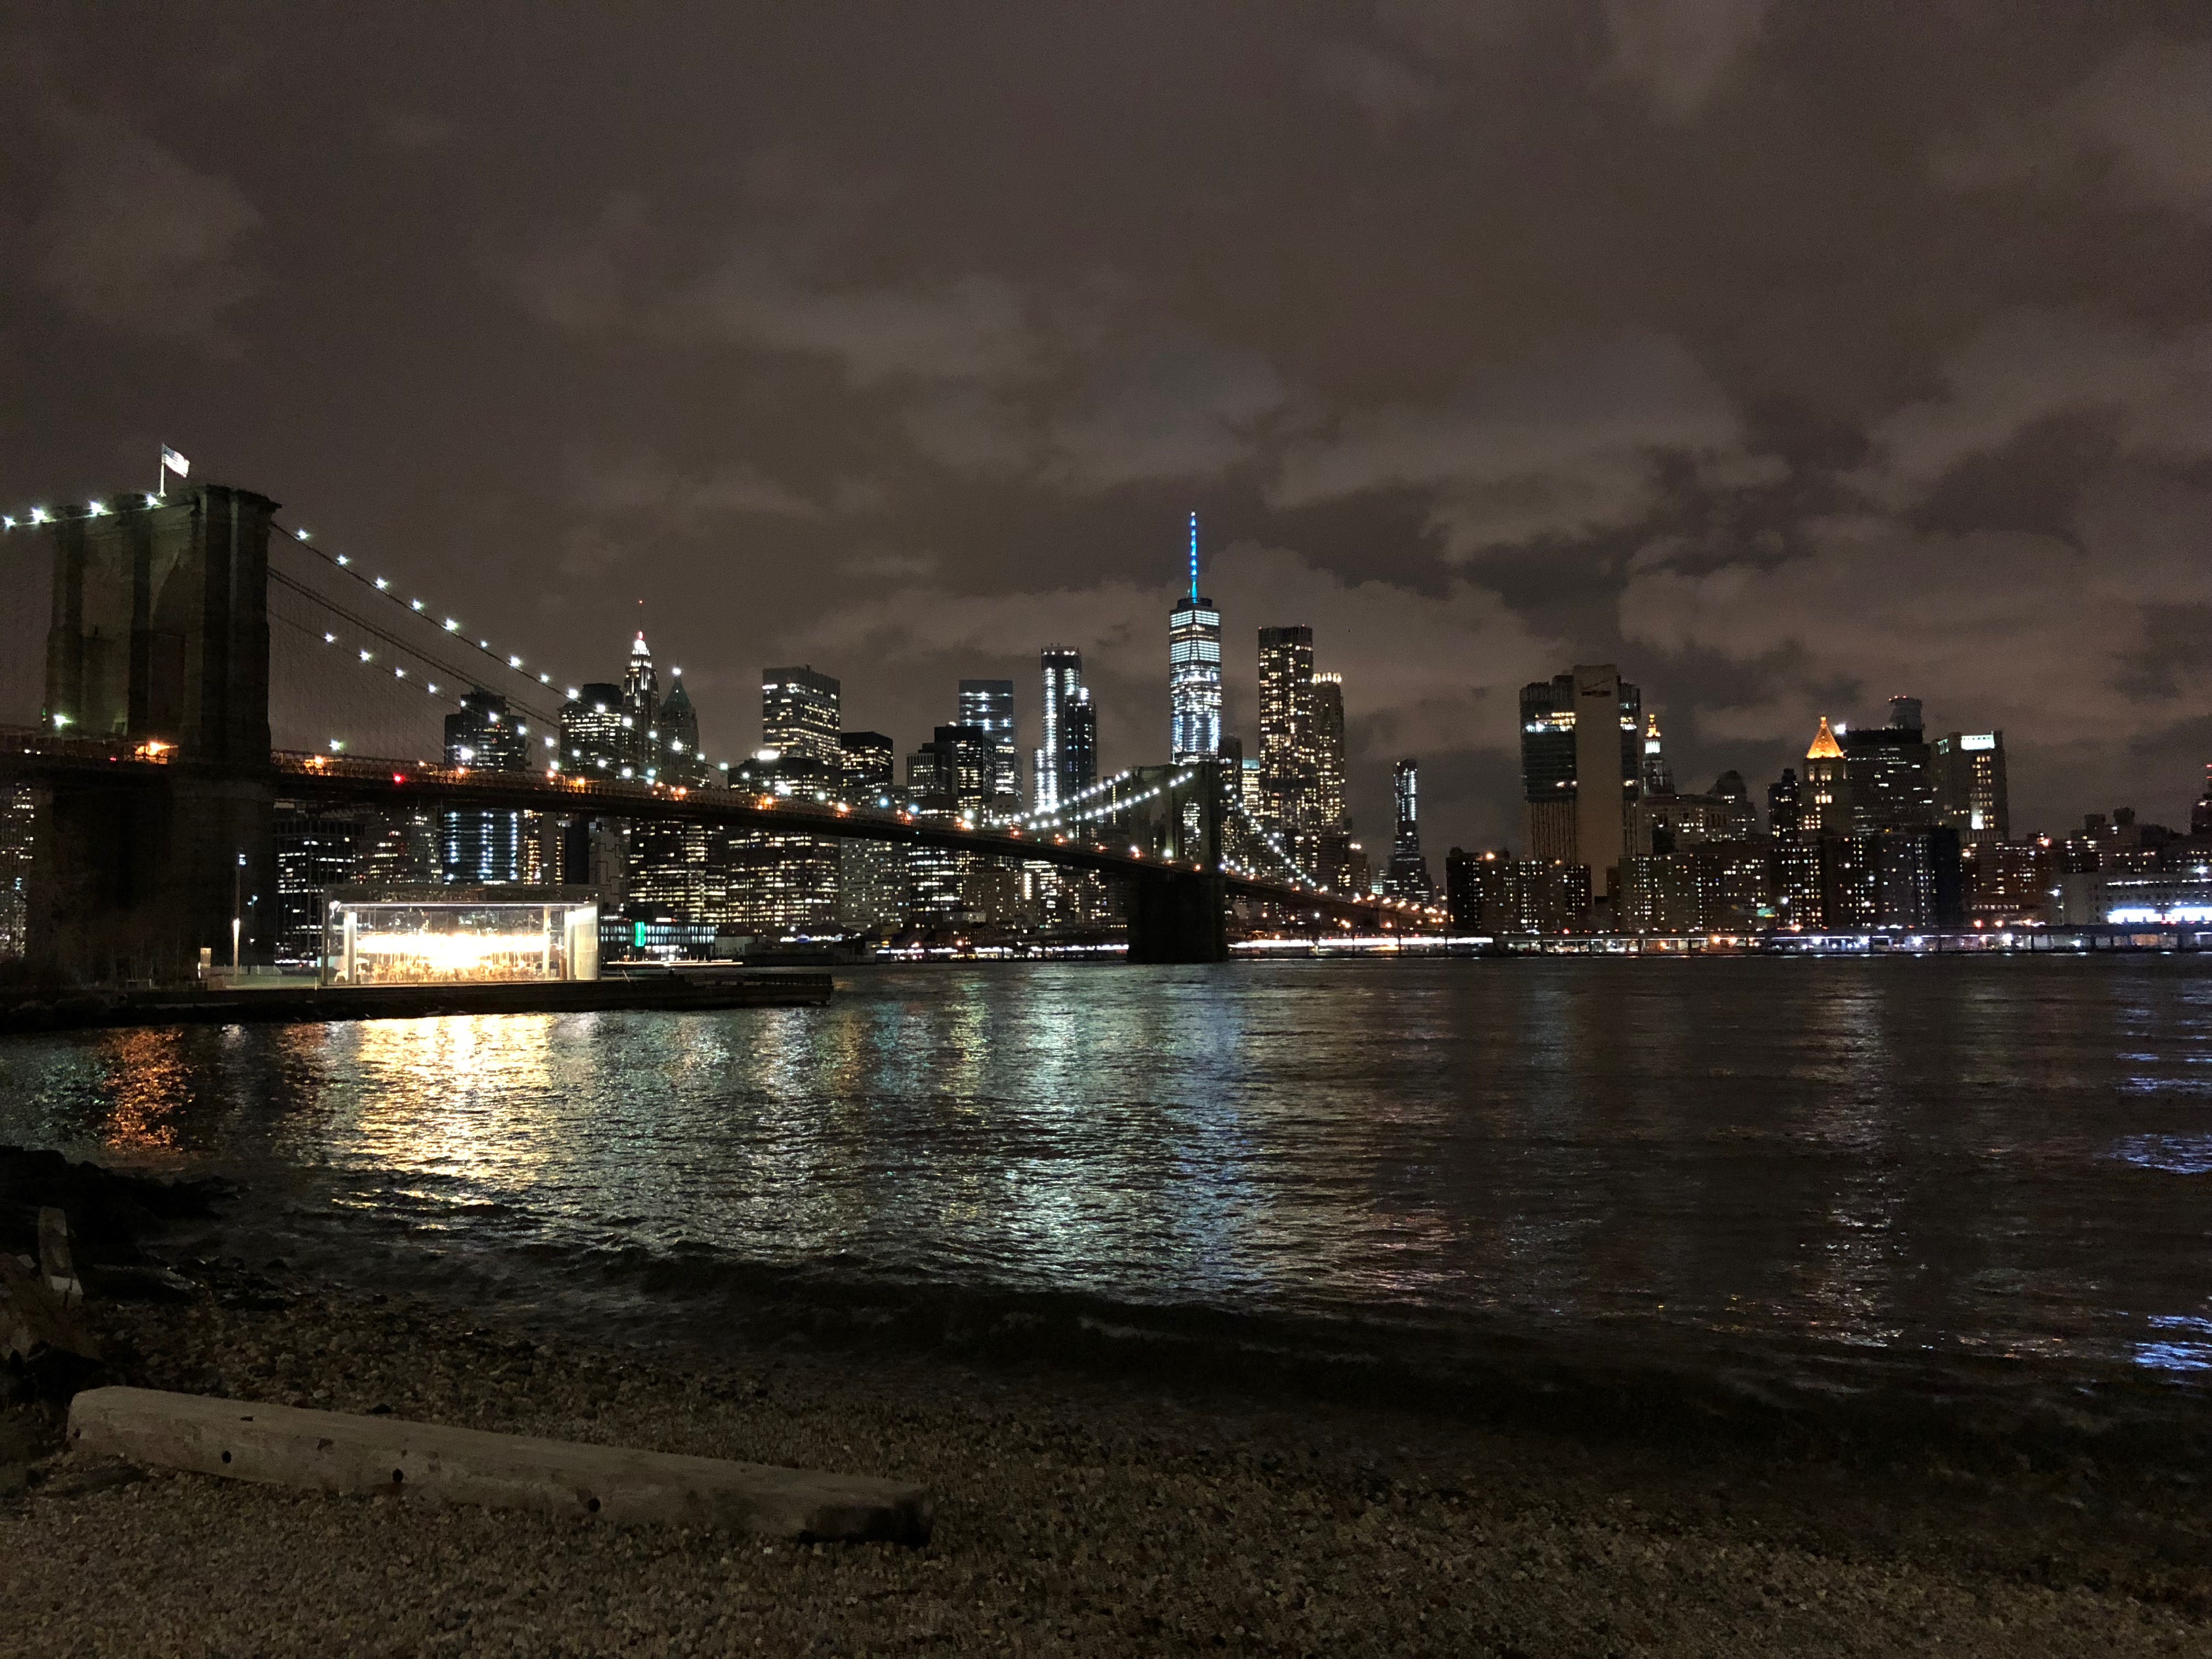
column 779, row 883
column 1067, row 758
column 801, row 719
column 1286, row 745
column 988, row 706
column 871, row 875
column 594, row 734
column 1970, row 785
column 479, row 847
column 1890, row 772
column 318, row 849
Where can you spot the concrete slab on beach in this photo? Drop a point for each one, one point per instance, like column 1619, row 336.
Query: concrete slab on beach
column 335, row 1451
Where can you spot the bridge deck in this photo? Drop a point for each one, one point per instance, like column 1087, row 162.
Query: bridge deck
column 423, row 786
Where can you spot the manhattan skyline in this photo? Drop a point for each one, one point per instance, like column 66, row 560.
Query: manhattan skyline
column 1790, row 361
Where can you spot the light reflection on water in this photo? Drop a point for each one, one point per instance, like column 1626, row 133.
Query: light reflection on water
column 1960, row 1157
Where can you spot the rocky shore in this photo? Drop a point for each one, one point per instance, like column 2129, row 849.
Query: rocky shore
column 1075, row 1516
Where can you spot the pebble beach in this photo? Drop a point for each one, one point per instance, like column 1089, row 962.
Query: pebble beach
column 1073, row 1516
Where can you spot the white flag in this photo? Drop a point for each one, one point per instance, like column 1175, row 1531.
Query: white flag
column 175, row 463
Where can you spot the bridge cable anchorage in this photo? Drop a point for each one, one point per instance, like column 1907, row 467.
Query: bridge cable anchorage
column 385, row 589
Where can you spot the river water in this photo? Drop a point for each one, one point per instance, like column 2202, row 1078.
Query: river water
column 1850, row 1173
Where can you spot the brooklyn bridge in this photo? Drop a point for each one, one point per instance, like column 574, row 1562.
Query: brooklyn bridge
column 189, row 634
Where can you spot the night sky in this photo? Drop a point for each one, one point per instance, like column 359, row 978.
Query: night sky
column 1791, row 355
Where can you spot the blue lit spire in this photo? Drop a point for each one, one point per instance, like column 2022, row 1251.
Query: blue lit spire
column 1194, row 669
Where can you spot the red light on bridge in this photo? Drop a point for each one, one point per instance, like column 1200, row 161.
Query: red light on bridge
column 399, row 777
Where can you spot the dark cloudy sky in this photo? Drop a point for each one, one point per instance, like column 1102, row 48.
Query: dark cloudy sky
column 1790, row 354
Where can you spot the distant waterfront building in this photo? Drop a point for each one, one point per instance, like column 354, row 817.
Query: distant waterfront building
column 1796, row 883
column 318, row 849
column 1286, row 748
column 1194, row 671
column 477, row 847
column 1408, row 877
column 18, row 809
column 1493, row 893
column 1582, row 768
column 1067, row 760
column 871, row 875
column 1971, row 793
column 1480, row 892
column 988, row 706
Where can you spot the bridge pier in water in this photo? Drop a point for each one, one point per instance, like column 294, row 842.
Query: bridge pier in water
column 158, row 636
column 1180, row 918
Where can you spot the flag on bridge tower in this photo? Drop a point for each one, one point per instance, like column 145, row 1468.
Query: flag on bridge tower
column 172, row 462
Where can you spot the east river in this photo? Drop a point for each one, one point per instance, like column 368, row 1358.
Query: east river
column 1799, row 1168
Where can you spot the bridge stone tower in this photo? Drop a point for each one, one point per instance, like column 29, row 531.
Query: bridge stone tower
column 1182, row 917
column 159, row 635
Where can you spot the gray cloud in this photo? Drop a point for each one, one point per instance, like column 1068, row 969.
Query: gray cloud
column 1168, row 409
column 1558, row 443
column 2139, row 127
column 134, row 238
column 1679, row 51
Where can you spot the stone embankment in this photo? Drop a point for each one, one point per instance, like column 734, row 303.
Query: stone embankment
column 1073, row 1516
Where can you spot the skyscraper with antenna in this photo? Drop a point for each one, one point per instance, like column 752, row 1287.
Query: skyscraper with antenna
column 1194, row 669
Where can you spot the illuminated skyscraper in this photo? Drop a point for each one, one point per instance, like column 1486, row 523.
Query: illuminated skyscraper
column 1194, row 671
column 1287, row 737
column 1408, row 875
column 641, row 706
column 1328, row 759
column 1658, row 776
column 1325, row 843
column 800, row 720
column 1824, row 801
column 680, row 761
column 988, row 706
column 1582, row 768
column 1067, row 760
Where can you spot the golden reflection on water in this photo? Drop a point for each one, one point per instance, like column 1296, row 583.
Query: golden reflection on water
column 460, row 1095
column 147, row 1083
